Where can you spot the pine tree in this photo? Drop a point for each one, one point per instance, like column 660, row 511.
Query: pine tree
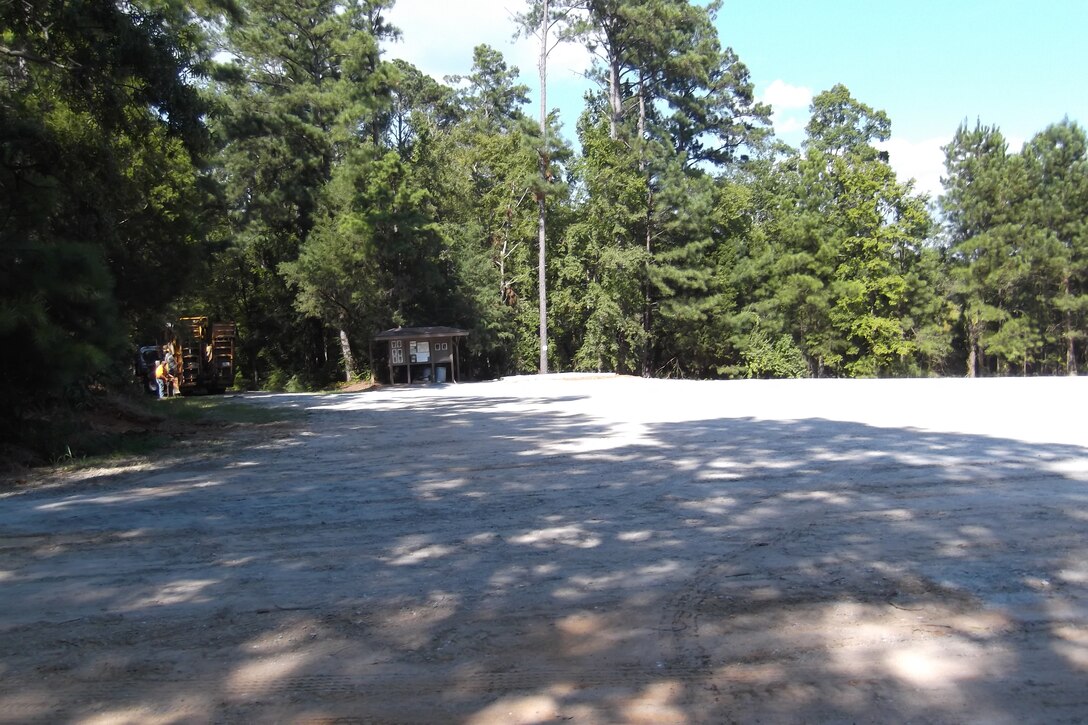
column 306, row 87
column 993, row 250
column 492, row 212
column 1056, row 165
column 676, row 107
column 102, row 192
column 849, row 245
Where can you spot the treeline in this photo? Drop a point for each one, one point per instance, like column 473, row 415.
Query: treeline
column 266, row 163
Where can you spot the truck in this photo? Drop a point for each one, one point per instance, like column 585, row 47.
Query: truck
column 203, row 355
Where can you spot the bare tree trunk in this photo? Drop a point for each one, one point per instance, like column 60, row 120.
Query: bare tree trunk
column 972, row 348
column 349, row 359
column 614, row 99
column 1070, row 347
column 542, row 282
column 647, row 291
column 502, row 270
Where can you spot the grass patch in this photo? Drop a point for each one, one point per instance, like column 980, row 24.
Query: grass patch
column 214, row 410
column 109, row 428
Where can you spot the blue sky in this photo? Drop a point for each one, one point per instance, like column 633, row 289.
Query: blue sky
column 1017, row 64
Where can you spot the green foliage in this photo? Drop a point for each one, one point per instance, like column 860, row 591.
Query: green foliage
column 241, row 383
column 607, row 256
column 306, row 86
column 217, row 410
column 846, row 250
column 1016, row 225
column 778, row 359
column 674, row 107
column 374, row 257
column 277, row 381
column 841, row 125
column 486, row 198
column 102, row 199
column 296, row 385
column 347, row 193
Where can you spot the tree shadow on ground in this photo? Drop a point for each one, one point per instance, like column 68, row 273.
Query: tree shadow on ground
column 508, row 559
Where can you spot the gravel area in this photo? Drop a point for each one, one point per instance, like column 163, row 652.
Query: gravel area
column 592, row 549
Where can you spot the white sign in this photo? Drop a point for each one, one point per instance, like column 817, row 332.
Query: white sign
column 421, row 351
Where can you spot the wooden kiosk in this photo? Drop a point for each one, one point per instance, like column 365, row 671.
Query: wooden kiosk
column 422, row 354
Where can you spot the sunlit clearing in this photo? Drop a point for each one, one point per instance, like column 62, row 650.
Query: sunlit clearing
column 1075, row 469
column 1074, row 646
column 560, row 535
column 645, row 577
column 656, row 704
column 282, row 640
column 131, row 496
column 521, row 710
column 940, row 664
column 27, row 706
column 1077, row 575
column 237, row 562
column 487, row 537
column 432, row 490
column 413, row 625
column 597, row 633
column 686, row 464
column 257, row 678
column 718, row 505
column 581, row 625
column 178, row 592
column 620, row 435
column 172, row 712
column 834, row 499
column 894, row 514
column 728, row 464
column 748, row 674
column 434, row 551
column 1076, row 654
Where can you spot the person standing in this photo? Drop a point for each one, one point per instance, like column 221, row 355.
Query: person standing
column 170, row 362
column 160, row 376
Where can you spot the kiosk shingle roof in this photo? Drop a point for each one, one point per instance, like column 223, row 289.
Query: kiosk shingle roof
column 420, row 333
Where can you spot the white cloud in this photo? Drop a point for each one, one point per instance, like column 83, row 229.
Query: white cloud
column 1016, row 143
column 788, row 126
column 438, row 38
column 921, row 160
column 789, row 109
column 784, row 97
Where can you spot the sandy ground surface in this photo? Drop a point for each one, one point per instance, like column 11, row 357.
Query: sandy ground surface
column 573, row 549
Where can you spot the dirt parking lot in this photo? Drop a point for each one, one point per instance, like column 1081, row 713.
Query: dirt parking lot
column 573, row 548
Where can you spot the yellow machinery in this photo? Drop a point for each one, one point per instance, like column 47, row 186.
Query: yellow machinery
column 205, row 354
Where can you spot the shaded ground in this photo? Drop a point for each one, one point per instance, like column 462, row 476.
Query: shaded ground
column 586, row 550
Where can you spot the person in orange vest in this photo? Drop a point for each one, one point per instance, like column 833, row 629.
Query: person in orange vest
column 162, row 378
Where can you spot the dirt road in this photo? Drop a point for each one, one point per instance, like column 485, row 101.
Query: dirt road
column 574, row 549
